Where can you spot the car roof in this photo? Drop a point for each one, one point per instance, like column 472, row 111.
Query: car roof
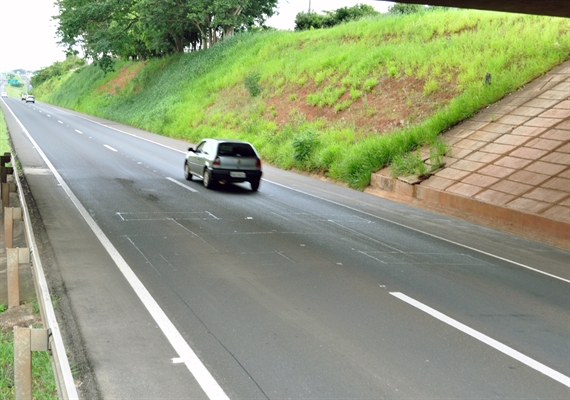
column 226, row 140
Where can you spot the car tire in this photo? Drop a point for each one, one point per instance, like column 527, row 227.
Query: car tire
column 254, row 185
column 207, row 179
column 187, row 173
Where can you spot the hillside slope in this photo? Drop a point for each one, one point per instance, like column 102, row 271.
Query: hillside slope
column 343, row 101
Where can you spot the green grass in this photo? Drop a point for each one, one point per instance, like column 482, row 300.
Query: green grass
column 331, row 82
column 43, row 383
column 4, row 140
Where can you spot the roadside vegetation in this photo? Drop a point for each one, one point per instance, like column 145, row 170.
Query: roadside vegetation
column 57, row 69
column 4, row 141
column 342, row 102
column 15, row 90
column 43, row 383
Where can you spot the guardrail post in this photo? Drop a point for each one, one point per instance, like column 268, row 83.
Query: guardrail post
column 26, row 340
column 5, row 195
column 10, row 214
column 7, row 188
column 4, row 172
column 15, row 257
column 22, row 363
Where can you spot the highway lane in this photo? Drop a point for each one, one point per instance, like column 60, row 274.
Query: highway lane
column 294, row 291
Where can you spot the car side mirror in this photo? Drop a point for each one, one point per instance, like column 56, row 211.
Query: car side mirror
column 191, row 149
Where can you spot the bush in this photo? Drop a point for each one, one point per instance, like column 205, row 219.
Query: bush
column 311, row 20
column 304, row 144
column 404, row 8
column 251, row 82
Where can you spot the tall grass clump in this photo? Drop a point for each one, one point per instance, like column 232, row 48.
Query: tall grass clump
column 391, row 84
column 4, row 139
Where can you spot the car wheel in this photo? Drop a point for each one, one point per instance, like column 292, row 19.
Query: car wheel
column 254, row 185
column 207, row 179
column 187, row 173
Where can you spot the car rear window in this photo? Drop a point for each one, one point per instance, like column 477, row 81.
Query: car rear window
column 235, row 150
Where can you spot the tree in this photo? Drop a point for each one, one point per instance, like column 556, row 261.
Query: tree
column 308, row 20
column 101, row 29
column 405, row 8
column 311, row 20
column 140, row 29
column 221, row 18
column 165, row 26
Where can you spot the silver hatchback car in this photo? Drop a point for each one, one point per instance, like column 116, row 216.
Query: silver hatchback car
column 220, row 160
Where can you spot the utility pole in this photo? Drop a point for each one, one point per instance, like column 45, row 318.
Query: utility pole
column 309, row 6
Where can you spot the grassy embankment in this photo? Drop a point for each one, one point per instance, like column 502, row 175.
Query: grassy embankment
column 15, row 91
column 344, row 101
column 43, row 383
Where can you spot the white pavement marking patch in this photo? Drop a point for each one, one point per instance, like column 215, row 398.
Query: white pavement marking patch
column 37, row 171
column 204, row 378
column 181, row 184
column 486, row 339
column 109, row 147
column 165, row 216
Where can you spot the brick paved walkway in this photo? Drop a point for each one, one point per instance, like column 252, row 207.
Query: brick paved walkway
column 510, row 164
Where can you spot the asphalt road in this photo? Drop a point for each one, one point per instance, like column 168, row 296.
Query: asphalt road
column 304, row 289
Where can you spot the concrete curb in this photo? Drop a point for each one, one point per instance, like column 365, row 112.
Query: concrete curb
column 529, row 225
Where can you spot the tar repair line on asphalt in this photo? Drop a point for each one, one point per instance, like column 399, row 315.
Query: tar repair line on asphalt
column 486, row 339
column 426, row 233
column 206, row 381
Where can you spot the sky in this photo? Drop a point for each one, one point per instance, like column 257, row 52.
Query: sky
column 27, row 31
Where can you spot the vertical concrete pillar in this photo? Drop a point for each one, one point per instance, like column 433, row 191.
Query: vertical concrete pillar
column 5, row 195
column 8, row 225
column 22, row 363
column 13, row 263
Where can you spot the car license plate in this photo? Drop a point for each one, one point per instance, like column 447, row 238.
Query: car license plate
column 235, row 174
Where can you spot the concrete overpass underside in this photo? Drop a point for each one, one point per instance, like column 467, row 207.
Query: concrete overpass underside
column 554, row 8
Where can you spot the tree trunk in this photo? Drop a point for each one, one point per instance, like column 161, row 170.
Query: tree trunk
column 229, row 31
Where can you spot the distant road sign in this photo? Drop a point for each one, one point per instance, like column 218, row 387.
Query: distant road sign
column 12, row 81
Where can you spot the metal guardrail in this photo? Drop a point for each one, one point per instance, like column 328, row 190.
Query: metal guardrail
column 62, row 372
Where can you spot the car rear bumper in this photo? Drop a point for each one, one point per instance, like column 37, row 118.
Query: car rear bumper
column 231, row 176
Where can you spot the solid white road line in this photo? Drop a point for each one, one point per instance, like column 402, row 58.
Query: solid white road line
column 206, row 381
column 181, row 184
column 424, row 233
column 486, row 339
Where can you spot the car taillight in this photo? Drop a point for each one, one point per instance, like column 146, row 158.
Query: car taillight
column 217, row 161
column 258, row 163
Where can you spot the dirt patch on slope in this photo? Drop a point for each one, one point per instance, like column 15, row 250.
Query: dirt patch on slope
column 125, row 75
column 392, row 103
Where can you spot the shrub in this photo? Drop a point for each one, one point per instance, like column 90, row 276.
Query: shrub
column 251, row 82
column 304, row 144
